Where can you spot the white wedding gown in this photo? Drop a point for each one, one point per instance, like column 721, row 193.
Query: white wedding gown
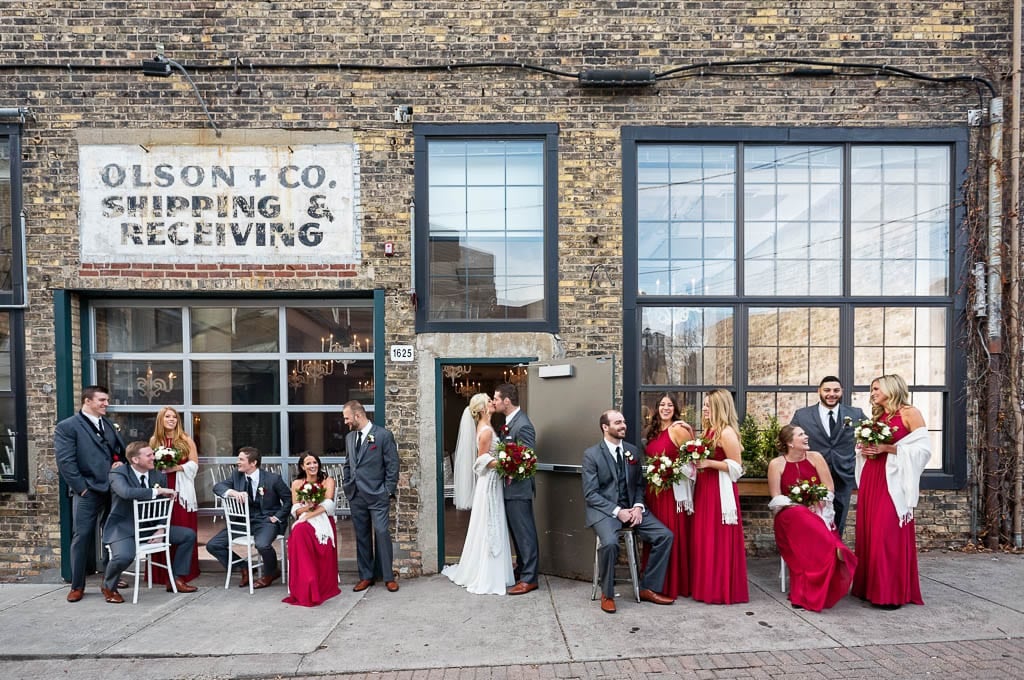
column 486, row 566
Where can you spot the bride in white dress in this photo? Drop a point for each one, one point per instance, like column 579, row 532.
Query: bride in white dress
column 486, row 566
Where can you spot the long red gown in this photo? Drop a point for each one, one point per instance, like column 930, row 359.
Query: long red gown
column 312, row 566
column 718, row 558
column 818, row 577
column 663, row 506
column 886, row 552
column 180, row 517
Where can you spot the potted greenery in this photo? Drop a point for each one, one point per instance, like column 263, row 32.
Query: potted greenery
column 758, row 449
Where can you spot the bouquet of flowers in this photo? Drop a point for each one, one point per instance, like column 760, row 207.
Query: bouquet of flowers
column 661, row 472
column 516, row 461
column 311, row 492
column 165, row 457
column 870, row 431
column 694, row 450
column 808, row 492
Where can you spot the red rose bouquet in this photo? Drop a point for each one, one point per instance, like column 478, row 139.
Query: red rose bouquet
column 516, row 461
column 311, row 492
column 869, row 431
column 165, row 458
column 661, row 472
column 694, row 450
column 808, row 492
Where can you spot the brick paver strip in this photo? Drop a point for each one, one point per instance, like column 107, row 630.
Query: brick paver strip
column 992, row 659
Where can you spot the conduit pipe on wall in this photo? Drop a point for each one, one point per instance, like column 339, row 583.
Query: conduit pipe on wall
column 995, row 320
column 1017, row 331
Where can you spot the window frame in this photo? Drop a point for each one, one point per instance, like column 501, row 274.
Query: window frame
column 953, row 473
column 13, row 302
column 423, row 135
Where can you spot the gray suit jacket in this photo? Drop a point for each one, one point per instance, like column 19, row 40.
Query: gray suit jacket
column 601, row 481
column 125, row 488
column 84, row 456
column 521, row 431
column 372, row 471
column 837, row 450
column 275, row 501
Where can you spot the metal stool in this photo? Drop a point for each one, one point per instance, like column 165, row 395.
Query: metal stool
column 782, row 573
column 630, row 540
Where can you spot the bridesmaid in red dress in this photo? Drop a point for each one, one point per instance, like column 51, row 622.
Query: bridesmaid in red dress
column 820, row 566
column 168, row 432
column 888, row 477
column 665, row 434
column 312, row 543
column 718, row 559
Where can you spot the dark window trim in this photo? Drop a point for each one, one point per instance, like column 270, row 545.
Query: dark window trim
column 421, row 255
column 16, row 296
column 953, row 475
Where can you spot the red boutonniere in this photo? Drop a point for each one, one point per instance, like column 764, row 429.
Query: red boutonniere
column 504, row 430
column 630, row 457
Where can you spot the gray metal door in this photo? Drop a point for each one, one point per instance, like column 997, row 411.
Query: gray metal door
column 565, row 410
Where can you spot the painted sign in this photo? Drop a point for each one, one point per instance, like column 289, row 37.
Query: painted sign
column 214, row 204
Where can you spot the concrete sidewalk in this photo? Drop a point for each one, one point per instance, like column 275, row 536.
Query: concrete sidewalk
column 432, row 624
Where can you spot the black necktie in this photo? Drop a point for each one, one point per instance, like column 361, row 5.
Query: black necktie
column 248, row 487
column 623, row 489
column 142, row 480
column 359, row 440
column 99, row 425
column 831, row 423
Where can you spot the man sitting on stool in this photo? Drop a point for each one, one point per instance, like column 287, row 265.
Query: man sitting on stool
column 138, row 481
column 613, row 490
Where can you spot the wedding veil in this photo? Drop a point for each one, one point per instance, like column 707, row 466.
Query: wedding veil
column 462, row 466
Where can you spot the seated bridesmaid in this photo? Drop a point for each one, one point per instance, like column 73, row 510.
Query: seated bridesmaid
column 312, row 546
column 820, row 566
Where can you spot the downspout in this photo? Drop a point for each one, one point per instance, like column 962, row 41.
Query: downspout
column 1014, row 255
column 995, row 321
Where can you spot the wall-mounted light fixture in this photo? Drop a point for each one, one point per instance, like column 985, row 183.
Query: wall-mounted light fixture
column 403, row 113
column 160, row 67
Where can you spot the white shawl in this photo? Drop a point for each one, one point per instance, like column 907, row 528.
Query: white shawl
column 903, row 471
column 185, row 485
column 321, row 523
column 496, row 538
column 683, row 490
column 825, row 510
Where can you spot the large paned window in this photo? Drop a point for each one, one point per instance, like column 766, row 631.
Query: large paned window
column 13, row 301
column 486, row 227
column 270, row 375
column 760, row 261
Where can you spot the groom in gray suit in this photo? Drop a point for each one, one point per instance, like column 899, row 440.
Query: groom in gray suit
column 370, row 482
column 829, row 435
column 613, row 490
column 139, row 481
column 519, row 494
column 87, row 445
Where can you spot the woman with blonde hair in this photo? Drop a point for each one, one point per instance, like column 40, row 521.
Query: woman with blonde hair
column 486, row 564
column 169, row 433
column 718, row 565
column 888, row 477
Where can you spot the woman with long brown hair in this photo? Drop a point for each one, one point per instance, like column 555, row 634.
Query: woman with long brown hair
column 169, row 433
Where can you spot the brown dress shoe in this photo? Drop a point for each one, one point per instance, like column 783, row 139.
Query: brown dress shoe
column 363, row 585
column 76, row 594
column 607, row 604
column 181, row 586
column 651, row 596
column 244, row 583
column 112, row 596
column 264, row 581
column 392, row 586
column 522, row 588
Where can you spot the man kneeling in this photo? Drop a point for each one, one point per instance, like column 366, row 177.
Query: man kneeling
column 139, row 481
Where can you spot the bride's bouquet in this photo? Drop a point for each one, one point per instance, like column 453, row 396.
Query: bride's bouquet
column 165, row 457
column 808, row 492
column 694, row 450
column 516, row 461
column 311, row 492
column 871, row 431
column 661, row 472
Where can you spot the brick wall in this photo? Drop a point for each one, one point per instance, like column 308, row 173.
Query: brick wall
column 80, row 68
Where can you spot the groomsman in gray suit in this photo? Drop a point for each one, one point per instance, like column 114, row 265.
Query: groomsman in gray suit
column 519, row 493
column 87, row 445
column 139, row 481
column 613, row 491
column 826, row 426
column 370, row 482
